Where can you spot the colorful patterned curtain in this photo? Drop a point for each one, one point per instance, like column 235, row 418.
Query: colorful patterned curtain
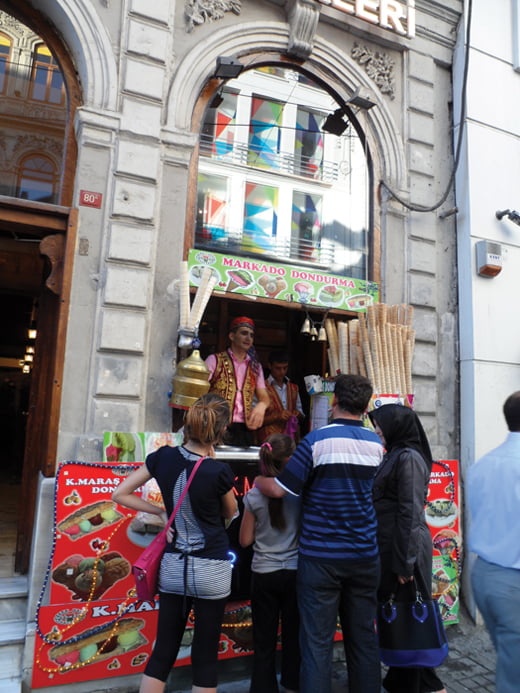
column 264, row 133
column 260, row 218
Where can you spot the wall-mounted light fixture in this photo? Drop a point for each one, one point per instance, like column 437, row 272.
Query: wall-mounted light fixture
column 361, row 100
column 510, row 214
column 335, row 123
column 228, row 68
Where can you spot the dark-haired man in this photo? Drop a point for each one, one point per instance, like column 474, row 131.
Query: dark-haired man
column 493, row 491
column 285, row 402
column 237, row 376
column 333, row 469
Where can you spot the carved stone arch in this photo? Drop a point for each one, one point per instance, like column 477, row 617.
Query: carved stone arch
column 37, row 153
column 341, row 72
column 37, row 145
column 89, row 44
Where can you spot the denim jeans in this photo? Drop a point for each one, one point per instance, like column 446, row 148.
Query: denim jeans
column 325, row 590
column 497, row 593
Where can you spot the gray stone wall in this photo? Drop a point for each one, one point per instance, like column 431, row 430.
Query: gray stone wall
column 136, row 147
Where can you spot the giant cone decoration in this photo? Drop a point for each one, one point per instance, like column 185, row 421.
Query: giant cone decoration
column 190, row 381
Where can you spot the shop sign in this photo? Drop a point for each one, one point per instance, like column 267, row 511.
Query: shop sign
column 388, row 14
column 288, row 283
column 443, row 518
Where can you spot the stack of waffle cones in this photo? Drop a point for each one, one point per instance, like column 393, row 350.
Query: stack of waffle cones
column 378, row 344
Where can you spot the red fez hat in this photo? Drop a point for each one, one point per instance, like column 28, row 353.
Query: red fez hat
column 237, row 322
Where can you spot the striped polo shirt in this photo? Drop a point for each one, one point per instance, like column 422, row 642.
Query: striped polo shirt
column 333, row 469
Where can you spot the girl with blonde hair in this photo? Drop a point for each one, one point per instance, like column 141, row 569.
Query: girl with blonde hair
column 195, row 569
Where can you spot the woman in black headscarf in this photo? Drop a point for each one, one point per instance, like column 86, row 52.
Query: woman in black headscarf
column 405, row 544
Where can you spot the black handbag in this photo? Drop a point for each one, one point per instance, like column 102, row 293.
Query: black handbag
column 411, row 632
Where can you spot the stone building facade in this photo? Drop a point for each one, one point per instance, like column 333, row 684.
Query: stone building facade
column 143, row 75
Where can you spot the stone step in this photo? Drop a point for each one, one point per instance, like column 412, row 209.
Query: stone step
column 15, row 586
column 11, row 662
column 12, row 633
column 13, row 598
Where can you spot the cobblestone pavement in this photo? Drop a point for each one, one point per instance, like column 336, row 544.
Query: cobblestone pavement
column 470, row 665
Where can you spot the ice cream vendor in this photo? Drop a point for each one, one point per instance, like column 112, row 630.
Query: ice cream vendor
column 236, row 375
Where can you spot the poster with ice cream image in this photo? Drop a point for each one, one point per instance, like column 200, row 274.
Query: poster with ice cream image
column 280, row 282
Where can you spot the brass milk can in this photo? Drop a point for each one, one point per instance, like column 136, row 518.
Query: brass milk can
column 190, row 381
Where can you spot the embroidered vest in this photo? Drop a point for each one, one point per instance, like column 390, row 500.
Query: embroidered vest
column 276, row 407
column 224, row 383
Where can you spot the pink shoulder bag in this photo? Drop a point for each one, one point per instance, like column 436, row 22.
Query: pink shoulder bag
column 146, row 568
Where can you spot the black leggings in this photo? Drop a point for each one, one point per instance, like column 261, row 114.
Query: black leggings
column 173, row 614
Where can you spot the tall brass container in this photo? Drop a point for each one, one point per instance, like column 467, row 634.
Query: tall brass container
column 190, row 381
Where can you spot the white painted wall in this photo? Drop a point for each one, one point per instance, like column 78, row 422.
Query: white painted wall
column 487, row 181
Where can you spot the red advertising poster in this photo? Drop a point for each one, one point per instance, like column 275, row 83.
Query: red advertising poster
column 89, row 625
column 443, row 518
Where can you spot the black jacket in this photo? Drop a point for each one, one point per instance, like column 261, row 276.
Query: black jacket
column 405, row 544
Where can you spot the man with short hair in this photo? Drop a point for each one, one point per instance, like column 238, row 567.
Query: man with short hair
column 285, row 403
column 493, row 492
column 333, row 469
column 237, row 376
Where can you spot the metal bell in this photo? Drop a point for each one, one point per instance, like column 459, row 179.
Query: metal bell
column 191, row 381
column 306, row 327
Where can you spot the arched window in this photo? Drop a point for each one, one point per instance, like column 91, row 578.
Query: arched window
column 34, row 115
column 274, row 180
column 5, row 54
column 37, row 180
column 46, row 79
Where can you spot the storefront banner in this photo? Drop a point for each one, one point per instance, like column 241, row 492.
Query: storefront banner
column 125, row 646
column 443, row 517
column 287, row 283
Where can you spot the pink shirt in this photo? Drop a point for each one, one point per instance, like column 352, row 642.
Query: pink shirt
column 240, row 368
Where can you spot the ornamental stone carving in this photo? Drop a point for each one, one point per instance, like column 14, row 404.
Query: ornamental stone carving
column 14, row 27
column 36, row 144
column 378, row 66
column 303, row 17
column 201, row 11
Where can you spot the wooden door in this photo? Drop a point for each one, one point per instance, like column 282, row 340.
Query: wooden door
column 55, row 229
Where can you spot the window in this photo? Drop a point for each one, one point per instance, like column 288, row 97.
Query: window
column 273, row 183
column 5, row 52
column 46, row 82
column 212, row 208
column 37, row 180
column 264, row 133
